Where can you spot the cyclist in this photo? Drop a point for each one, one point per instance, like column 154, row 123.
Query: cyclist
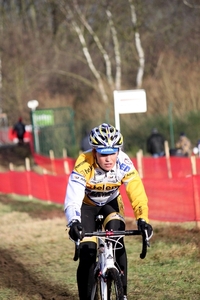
column 93, row 188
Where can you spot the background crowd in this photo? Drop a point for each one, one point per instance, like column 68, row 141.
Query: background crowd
column 183, row 146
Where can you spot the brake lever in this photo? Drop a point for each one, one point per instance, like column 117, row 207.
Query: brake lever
column 147, row 238
column 77, row 250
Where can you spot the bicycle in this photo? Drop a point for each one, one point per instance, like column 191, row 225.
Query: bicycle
column 107, row 273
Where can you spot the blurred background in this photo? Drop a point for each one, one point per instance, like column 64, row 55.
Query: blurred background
column 72, row 55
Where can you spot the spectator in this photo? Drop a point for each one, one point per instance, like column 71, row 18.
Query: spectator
column 198, row 146
column 19, row 129
column 85, row 146
column 184, row 145
column 196, row 149
column 155, row 144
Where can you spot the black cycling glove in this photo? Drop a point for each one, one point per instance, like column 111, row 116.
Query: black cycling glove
column 143, row 225
column 76, row 231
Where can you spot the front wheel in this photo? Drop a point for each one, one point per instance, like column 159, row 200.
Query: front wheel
column 114, row 285
column 96, row 290
column 110, row 289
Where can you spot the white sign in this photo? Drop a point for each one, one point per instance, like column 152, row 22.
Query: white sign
column 32, row 104
column 129, row 101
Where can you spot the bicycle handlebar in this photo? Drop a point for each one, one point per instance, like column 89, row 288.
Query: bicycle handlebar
column 110, row 233
column 145, row 243
column 76, row 251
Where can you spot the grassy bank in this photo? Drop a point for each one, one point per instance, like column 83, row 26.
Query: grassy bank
column 36, row 257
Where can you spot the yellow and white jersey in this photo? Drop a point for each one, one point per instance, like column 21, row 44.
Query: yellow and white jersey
column 91, row 185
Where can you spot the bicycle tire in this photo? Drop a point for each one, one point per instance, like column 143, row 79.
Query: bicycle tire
column 114, row 285
column 96, row 290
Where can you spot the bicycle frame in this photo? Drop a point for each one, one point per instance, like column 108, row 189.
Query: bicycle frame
column 106, row 257
column 106, row 261
column 107, row 243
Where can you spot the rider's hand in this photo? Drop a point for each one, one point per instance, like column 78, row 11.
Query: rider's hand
column 76, row 231
column 143, row 225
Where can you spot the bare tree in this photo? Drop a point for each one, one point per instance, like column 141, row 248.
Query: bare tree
column 98, row 43
column 116, row 50
column 102, row 49
column 67, row 10
column 106, row 45
column 102, row 88
column 138, row 46
column 191, row 5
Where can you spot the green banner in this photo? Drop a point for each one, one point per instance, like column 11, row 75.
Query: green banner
column 43, row 117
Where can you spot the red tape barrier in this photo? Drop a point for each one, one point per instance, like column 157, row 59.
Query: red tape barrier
column 173, row 192
column 175, row 200
column 172, row 200
column 59, row 166
column 156, row 168
column 45, row 187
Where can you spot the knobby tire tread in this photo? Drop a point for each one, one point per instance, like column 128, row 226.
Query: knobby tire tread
column 115, row 280
column 97, row 288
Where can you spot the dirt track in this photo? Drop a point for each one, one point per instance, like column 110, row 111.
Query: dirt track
column 14, row 274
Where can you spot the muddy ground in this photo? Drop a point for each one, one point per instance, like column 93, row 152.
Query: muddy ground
column 12, row 273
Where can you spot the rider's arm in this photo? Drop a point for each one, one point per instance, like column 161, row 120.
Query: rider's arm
column 74, row 197
column 137, row 195
column 76, row 187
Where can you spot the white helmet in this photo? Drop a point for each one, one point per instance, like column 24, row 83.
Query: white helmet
column 106, row 139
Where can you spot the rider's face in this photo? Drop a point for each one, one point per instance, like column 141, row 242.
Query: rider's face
column 106, row 161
